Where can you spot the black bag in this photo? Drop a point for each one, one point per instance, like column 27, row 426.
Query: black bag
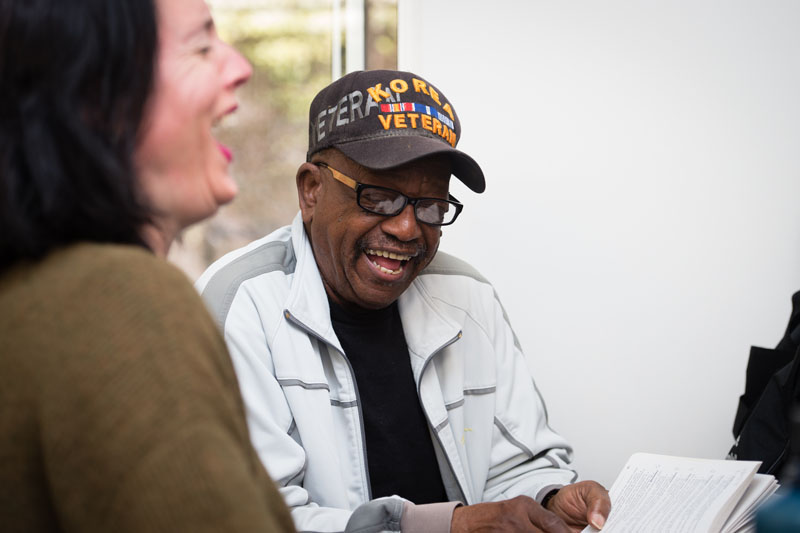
column 772, row 387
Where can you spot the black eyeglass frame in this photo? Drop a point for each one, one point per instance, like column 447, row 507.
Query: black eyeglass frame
column 361, row 187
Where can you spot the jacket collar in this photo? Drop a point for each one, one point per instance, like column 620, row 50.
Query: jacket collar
column 307, row 302
column 427, row 327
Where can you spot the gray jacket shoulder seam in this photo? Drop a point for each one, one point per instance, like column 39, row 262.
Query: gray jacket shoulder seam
column 221, row 289
column 447, row 264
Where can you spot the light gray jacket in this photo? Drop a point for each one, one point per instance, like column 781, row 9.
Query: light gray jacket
column 487, row 420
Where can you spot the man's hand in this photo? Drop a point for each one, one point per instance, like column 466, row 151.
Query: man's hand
column 521, row 514
column 580, row 504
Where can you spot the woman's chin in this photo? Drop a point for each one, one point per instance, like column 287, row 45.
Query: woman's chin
column 225, row 190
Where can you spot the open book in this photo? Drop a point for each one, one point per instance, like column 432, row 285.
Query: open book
column 661, row 493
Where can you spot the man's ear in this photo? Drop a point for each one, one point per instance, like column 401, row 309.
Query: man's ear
column 309, row 181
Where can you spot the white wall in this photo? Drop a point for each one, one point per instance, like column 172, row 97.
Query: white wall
column 641, row 217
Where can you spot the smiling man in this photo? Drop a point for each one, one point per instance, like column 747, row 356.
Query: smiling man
column 384, row 386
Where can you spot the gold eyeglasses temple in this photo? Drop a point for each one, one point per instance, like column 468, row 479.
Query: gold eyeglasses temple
column 338, row 176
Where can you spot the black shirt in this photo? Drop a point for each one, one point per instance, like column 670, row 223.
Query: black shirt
column 400, row 455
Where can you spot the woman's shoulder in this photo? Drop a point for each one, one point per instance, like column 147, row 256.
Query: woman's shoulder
column 131, row 274
column 114, row 277
column 86, row 301
column 114, row 266
column 110, row 260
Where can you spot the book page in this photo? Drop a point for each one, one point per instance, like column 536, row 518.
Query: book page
column 661, row 493
column 761, row 488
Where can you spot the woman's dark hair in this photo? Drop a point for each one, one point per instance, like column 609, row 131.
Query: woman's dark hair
column 75, row 76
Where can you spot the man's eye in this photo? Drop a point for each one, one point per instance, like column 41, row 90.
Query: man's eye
column 204, row 51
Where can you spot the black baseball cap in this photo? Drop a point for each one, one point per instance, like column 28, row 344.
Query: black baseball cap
column 382, row 119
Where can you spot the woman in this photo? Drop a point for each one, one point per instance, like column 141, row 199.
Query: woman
column 119, row 407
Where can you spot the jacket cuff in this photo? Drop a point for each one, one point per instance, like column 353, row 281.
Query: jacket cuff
column 545, row 491
column 427, row 518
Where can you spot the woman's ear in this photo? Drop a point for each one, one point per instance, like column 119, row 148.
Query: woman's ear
column 309, row 181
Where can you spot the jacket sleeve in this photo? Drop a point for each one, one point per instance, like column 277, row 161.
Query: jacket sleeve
column 272, row 429
column 527, row 456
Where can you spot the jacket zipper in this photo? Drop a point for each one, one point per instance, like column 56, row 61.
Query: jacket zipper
column 428, row 418
column 308, row 330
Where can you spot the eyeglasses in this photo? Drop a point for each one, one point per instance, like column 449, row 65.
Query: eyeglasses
column 388, row 202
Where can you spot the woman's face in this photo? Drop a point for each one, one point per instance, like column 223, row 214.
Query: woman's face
column 184, row 170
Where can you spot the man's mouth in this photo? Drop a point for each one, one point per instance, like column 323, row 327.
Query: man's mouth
column 387, row 262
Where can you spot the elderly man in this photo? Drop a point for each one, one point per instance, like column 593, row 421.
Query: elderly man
column 383, row 383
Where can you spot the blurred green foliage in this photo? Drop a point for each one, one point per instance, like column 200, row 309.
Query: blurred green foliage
column 288, row 44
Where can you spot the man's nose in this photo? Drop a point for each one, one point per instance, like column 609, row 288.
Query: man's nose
column 404, row 225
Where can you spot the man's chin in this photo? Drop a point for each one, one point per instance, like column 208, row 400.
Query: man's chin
column 378, row 297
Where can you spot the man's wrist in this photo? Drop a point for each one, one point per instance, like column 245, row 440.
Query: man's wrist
column 427, row 518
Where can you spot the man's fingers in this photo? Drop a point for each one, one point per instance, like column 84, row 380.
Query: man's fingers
column 517, row 515
column 598, row 503
column 545, row 520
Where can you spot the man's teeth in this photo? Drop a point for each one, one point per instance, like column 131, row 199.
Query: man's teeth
column 390, row 255
column 386, row 270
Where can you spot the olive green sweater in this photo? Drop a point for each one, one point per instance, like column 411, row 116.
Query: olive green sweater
column 119, row 407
